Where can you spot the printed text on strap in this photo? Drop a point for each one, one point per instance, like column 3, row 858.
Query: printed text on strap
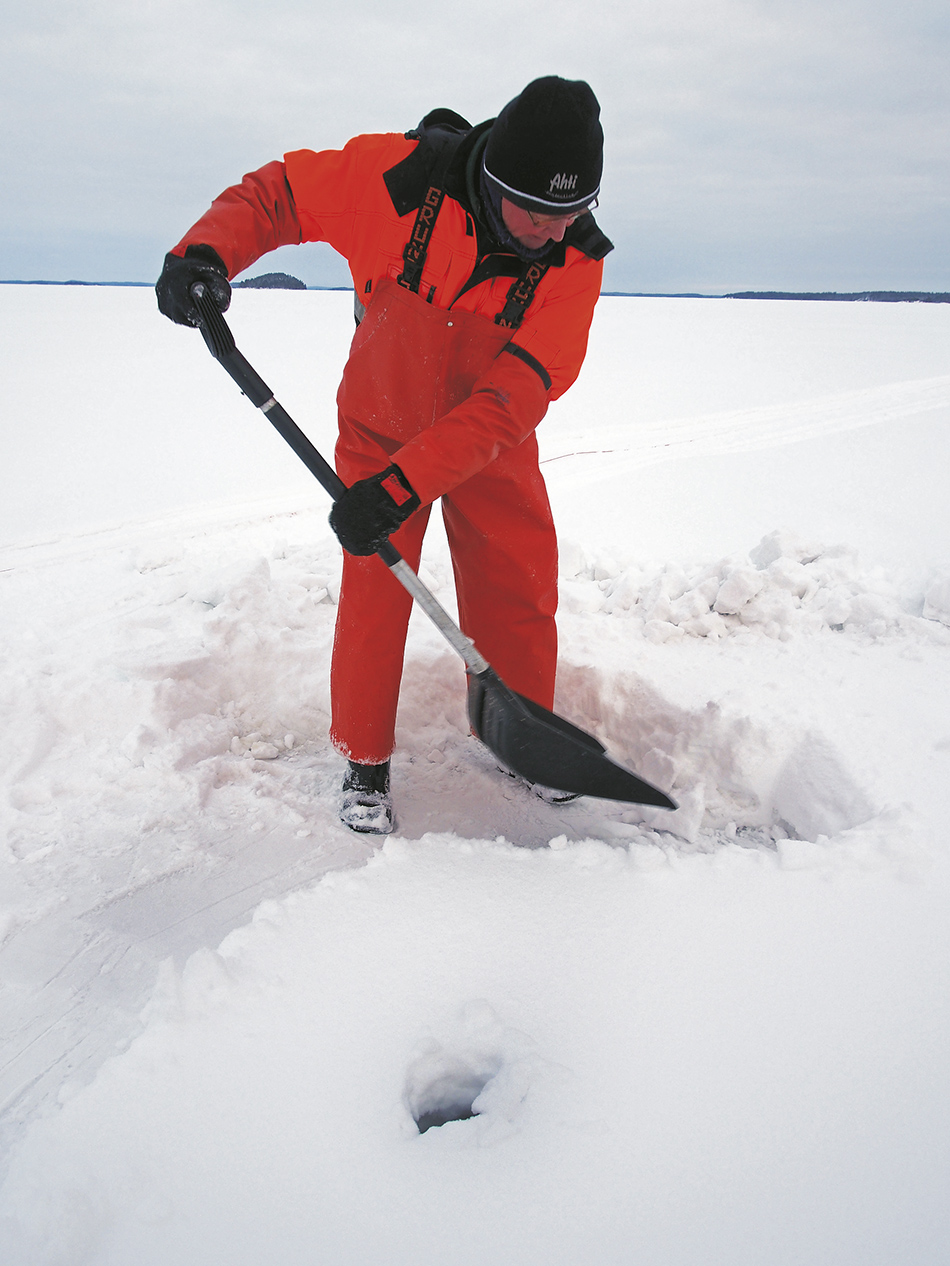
column 520, row 296
column 414, row 252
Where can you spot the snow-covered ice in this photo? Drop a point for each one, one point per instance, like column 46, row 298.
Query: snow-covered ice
column 718, row 1035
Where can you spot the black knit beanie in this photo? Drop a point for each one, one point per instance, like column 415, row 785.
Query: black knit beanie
column 545, row 150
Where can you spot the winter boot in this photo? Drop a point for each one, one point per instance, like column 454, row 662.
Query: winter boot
column 367, row 806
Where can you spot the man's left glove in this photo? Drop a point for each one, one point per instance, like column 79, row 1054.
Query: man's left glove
column 371, row 509
column 173, row 288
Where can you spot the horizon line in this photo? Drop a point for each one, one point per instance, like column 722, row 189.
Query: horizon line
column 868, row 295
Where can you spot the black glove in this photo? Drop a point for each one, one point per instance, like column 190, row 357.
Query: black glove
column 372, row 508
column 173, row 288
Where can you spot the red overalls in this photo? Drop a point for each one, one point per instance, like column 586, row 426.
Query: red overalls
column 410, row 363
column 428, row 385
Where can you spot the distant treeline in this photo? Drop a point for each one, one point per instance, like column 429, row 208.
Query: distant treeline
column 861, row 296
column 271, row 281
column 8, row 281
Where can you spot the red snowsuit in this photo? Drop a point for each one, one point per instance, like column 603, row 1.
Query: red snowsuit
column 435, row 385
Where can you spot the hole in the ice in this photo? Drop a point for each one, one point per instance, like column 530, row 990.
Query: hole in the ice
column 450, row 1097
column 439, row 1116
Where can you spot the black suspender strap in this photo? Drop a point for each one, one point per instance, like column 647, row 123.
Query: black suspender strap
column 520, row 295
column 414, row 258
column 414, row 252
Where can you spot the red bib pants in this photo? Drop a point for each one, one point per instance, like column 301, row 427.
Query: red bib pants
column 410, row 363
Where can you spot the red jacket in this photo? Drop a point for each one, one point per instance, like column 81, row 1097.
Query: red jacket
column 341, row 197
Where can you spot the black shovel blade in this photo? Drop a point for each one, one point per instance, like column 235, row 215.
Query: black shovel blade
column 544, row 748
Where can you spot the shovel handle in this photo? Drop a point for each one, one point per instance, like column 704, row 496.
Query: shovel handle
column 220, row 342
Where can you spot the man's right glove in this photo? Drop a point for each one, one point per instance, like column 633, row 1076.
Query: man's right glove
column 371, row 509
column 173, row 288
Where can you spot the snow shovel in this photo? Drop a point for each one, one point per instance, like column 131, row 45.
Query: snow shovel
column 526, row 738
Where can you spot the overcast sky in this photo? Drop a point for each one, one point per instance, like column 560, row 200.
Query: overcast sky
column 751, row 144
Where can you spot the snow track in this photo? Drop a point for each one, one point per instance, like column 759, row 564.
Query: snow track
column 628, row 448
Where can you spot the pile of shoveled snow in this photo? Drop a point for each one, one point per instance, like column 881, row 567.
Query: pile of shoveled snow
column 783, row 585
column 757, row 733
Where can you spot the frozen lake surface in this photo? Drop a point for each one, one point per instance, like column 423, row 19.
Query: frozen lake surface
column 718, row 1035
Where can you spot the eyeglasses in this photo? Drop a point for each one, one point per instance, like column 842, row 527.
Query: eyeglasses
column 543, row 221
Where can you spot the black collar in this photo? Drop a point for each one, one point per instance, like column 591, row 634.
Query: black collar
column 448, row 154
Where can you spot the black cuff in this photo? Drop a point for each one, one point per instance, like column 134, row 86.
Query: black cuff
column 206, row 255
